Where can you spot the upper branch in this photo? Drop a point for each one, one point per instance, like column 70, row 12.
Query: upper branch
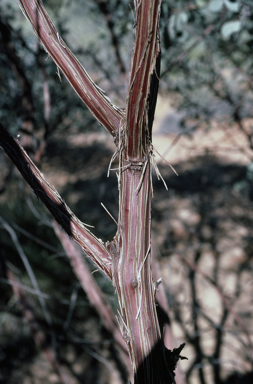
column 106, row 113
column 145, row 60
column 92, row 246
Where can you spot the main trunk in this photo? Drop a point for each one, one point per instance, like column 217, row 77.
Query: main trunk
column 132, row 268
column 132, row 272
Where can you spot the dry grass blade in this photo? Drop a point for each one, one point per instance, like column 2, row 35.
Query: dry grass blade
column 28, row 268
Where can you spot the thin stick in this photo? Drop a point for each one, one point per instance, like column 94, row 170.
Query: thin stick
column 173, row 169
column 112, row 159
column 109, row 213
column 158, row 174
column 142, row 177
column 139, row 279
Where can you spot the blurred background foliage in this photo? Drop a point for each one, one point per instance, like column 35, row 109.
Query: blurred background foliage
column 207, row 75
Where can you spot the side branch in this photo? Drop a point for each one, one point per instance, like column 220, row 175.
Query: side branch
column 106, row 113
column 92, row 246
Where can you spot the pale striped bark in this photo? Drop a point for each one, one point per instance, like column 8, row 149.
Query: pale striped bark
column 132, row 272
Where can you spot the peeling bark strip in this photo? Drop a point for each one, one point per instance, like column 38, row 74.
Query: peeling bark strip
column 125, row 260
column 100, row 105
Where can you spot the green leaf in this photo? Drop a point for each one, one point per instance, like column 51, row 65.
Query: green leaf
column 232, row 6
column 215, row 5
column 229, row 28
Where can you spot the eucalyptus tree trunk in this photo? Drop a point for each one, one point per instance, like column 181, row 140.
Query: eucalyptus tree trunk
column 126, row 259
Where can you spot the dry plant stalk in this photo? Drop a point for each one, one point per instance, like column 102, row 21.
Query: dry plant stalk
column 126, row 259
